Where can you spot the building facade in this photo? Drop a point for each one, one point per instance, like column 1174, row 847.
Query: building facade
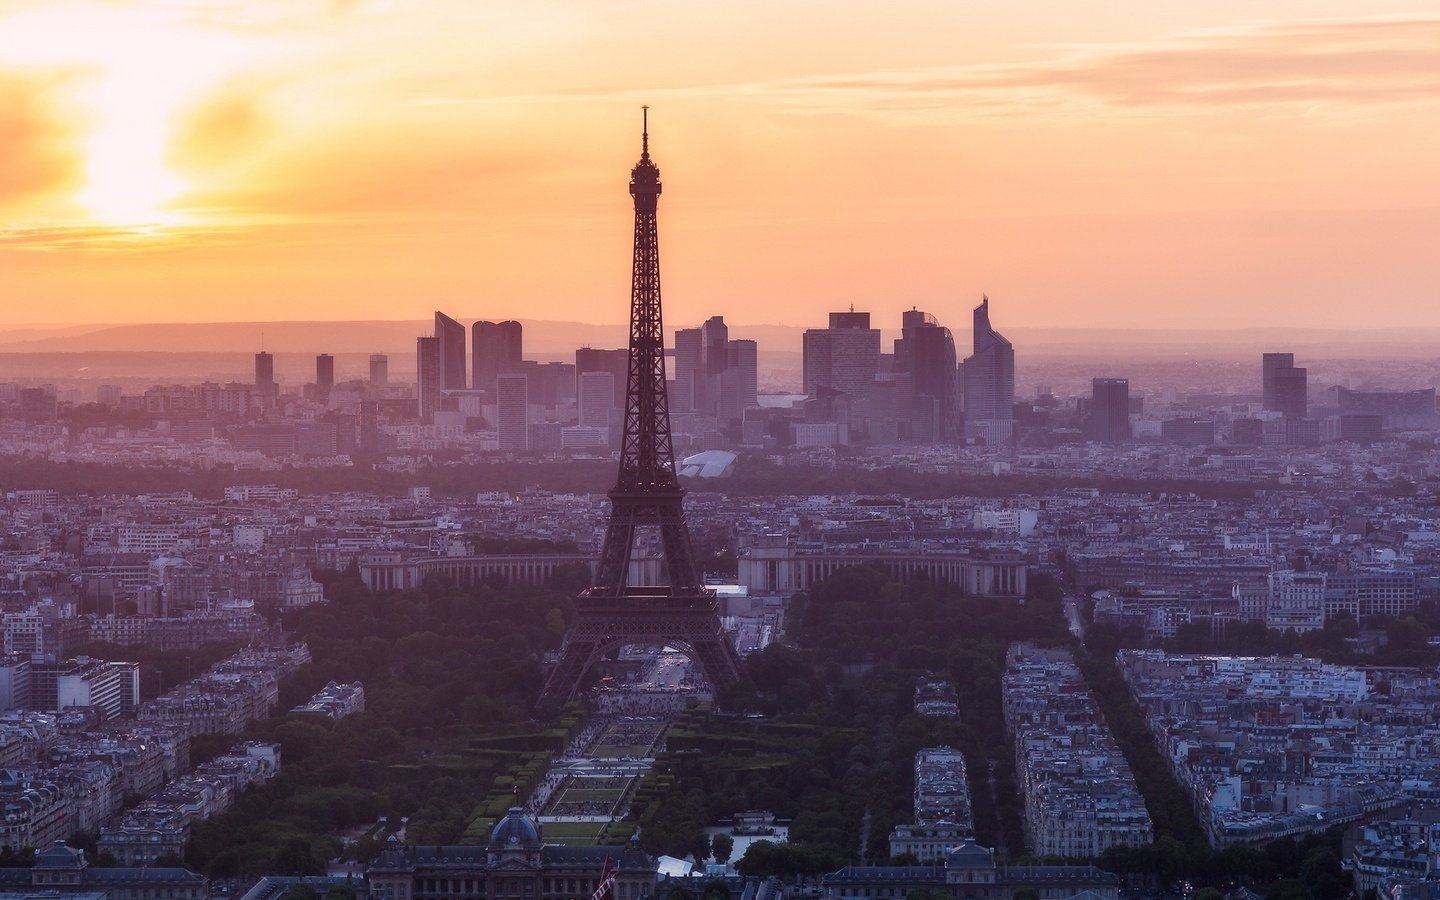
column 989, row 379
column 495, row 347
column 515, row 864
column 970, row 873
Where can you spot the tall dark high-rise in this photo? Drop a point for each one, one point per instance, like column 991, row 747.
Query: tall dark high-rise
column 739, row 381
column 689, row 392
column 844, row 357
column 379, row 369
column 1110, row 410
column 714, row 358
column 647, row 495
column 427, row 377
column 926, row 350
column 989, row 377
column 324, row 377
column 616, row 362
column 451, row 335
column 512, row 410
column 265, row 376
column 1269, row 364
column 595, row 399
column 1284, row 386
column 495, row 347
column 369, row 427
column 1292, row 388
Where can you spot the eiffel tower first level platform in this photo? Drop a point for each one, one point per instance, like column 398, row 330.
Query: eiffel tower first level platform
column 680, row 613
column 689, row 624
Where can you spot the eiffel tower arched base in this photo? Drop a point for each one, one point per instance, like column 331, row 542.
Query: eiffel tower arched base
column 690, row 624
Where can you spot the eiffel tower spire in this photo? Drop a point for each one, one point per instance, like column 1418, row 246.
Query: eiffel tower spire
column 680, row 612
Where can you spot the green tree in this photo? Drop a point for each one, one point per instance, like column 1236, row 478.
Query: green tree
column 1288, row 889
column 715, row 889
column 721, row 846
column 555, row 622
column 297, row 857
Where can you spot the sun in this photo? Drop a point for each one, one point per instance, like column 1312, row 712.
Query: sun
column 127, row 179
column 135, row 72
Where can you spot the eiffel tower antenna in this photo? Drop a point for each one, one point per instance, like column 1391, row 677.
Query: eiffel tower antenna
column 681, row 612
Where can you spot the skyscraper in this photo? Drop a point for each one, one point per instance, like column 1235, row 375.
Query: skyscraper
column 615, row 362
column 379, row 369
column 989, row 376
column 844, row 357
column 451, row 335
column 1291, row 392
column 926, row 350
column 427, row 377
column 512, row 414
column 1269, row 364
column 1284, row 386
column 265, row 376
column 324, row 377
column 739, row 382
column 369, row 427
column 495, row 347
column 714, row 359
column 1110, row 410
column 596, row 399
column 688, row 394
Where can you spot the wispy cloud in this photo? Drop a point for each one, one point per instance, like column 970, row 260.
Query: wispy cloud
column 1339, row 68
column 112, row 238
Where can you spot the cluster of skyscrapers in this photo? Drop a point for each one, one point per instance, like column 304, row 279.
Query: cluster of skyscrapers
column 440, row 360
column 917, row 392
column 529, row 403
column 715, row 377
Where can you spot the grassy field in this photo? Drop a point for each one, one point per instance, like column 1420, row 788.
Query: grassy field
column 573, row 832
column 582, row 795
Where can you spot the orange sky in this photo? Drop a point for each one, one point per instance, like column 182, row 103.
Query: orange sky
column 1156, row 164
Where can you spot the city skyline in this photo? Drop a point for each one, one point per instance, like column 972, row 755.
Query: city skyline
column 1075, row 596
column 1158, row 167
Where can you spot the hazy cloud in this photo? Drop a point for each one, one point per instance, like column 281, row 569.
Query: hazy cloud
column 1336, row 67
column 36, row 154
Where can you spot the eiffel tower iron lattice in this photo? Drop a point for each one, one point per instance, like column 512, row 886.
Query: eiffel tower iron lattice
column 680, row 613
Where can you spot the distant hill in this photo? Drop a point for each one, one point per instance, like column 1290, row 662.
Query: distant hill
column 224, row 350
column 288, row 337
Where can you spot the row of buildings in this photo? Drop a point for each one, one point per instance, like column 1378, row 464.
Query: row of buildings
column 76, row 770
column 1278, row 747
column 159, row 827
column 1080, row 796
column 943, row 816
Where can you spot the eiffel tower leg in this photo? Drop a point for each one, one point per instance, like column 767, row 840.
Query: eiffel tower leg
column 576, row 656
column 717, row 660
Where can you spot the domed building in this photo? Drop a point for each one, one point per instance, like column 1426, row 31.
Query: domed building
column 970, row 873
column 514, row 864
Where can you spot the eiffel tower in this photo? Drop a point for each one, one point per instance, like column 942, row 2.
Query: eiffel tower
column 680, row 613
